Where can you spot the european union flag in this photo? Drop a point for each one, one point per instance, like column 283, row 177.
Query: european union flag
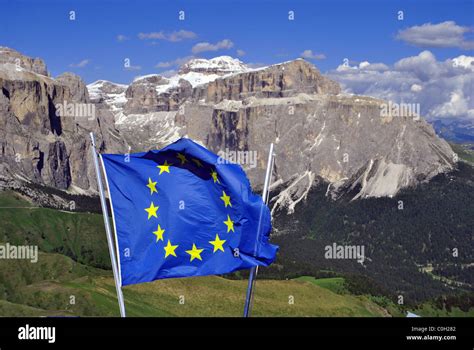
column 183, row 211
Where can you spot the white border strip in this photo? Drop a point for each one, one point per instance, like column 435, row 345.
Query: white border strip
column 113, row 218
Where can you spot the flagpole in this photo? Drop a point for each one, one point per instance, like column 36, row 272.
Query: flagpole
column 118, row 285
column 254, row 270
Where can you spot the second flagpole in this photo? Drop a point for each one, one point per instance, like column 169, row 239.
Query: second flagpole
column 118, row 284
column 254, row 270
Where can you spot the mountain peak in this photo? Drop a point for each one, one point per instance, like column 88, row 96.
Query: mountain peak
column 13, row 59
column 220, row 65
column 106, row 90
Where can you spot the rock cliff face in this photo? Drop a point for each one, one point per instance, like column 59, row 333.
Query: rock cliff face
column 320, row 133
column 281, row 80
column 337, row 138
column 12, row 57
column 44, row 125
column 144, row 95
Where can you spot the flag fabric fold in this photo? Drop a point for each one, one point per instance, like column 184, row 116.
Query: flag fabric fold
column 183, row 211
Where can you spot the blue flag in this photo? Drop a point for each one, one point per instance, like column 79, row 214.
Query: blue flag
column 183, row 211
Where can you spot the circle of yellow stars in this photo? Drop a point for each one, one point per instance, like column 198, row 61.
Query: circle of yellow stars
column 152, row 211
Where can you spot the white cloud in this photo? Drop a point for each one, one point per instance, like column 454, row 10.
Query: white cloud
column 181, row 35
column 464, row 61
column 376, row 67
column 176, row 62
column 365, row 65
column 445, row 34
column 457, row 105
column 172, row 36
column 424, row 66
column 205, row 46
column 122, row 37
column 241, row 53
column 164, row 64
column 442, row 88
column 308, row 54
column 81, row 64
column 151, row 35
column 416, row 88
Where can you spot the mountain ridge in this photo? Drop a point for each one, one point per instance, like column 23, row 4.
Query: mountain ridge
column 225, row 105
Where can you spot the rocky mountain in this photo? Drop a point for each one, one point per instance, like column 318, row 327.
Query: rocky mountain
column 321, row 134
column 44, row 126
column 151, row 102
column 10, row 57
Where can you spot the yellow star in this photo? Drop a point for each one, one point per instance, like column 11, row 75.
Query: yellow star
column 195, row 253
column 170, row 249
column 217, row 243
column 159, row 233
column 182, row 157
column 226, row 199
column 214, row 176
column 198, row 162
column 164, row 168
column 152, row 211
column 230, row 224
column 152, row 186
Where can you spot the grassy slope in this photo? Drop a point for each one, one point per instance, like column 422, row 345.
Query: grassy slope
column 80, row 236
column 215, row 296
column 204, row 296
column 11, row 309
column 334, row 284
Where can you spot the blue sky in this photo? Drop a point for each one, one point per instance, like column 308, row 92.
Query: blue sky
column 357, row 30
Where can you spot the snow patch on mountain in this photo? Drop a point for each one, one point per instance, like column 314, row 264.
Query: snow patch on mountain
column 199, row 71
column 218, row 65
column 112, row 94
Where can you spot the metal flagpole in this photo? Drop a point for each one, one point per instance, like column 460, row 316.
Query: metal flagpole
column 254, row 270
column 118, row 285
